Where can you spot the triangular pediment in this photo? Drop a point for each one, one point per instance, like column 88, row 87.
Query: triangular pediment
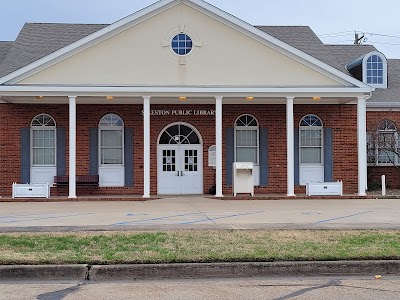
column 139, row 52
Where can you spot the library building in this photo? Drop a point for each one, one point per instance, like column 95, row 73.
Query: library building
column 182, row 98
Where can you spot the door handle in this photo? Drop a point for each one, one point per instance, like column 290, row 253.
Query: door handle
column 181, row 173
column 177, row 174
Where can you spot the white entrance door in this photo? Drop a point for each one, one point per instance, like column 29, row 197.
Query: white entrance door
column 191, row 158
column 180, row 170
column 168, row 170
column 180, row 161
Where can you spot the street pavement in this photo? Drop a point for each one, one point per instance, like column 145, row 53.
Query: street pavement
column 333, row 288
column 199, row 213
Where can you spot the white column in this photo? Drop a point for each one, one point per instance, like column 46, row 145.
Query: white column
column 146, row 146
column 72, row 147
column 290, row 146
column 362, row 145
column 218, row 145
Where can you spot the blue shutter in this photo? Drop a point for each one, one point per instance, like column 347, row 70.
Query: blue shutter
column 263, row 157
column 230, row 154
column 296, row 157
column 61, row 152
column 93, row 151
column 128, row 156
column 25, row 155
column 328, row 154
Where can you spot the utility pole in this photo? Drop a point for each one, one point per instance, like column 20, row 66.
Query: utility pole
column 358, row 40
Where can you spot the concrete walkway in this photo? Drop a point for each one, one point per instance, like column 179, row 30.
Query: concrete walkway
column 200, row 212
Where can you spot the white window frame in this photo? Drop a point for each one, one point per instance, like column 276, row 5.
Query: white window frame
column 247, row 128
column 111, row 127
column 40, row 128
column 364, row 69
column 312, row 127
column 386, row 130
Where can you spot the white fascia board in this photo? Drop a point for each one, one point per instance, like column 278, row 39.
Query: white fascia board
column 277, row 44
column 384, row 105
column 30, row 90
column 88, row 41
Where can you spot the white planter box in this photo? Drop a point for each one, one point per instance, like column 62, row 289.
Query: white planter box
column 37, row 190
column 314, row 188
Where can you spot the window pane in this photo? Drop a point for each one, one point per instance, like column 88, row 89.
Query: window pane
column 111, row 138
column 310, row 137
column 386, row 157
column 37, row 134
column 246, row 138
column 111, row 156
column 310, row 155
column 43, row 147
column 43, row 156
column 246, row 155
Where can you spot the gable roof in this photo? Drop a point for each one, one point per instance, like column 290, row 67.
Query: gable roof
column 37, row 40
column 156, row 8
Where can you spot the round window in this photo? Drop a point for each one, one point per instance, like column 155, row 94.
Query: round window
column 182, row 44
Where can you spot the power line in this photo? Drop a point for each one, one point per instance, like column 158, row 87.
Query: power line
column 344, row 33
column 384, row 35
column 392, row 44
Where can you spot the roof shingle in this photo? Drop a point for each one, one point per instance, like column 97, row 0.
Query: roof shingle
column 37, row 40
column 4, row 48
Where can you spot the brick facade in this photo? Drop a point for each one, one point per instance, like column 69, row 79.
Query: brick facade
column 341, row 118
column 392, row 173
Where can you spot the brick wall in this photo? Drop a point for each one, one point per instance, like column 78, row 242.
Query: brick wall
column 342, row 118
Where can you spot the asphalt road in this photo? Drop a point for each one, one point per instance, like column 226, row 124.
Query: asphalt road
column 200, row 212
column 332, row 288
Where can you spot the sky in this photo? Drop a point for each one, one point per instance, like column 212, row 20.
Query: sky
column 333, row 21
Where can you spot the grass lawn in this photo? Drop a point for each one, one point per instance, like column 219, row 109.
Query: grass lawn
column 197, row 246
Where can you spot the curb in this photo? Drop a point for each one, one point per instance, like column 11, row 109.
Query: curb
column 199, row 270
column 232, row 270
column 43, row 272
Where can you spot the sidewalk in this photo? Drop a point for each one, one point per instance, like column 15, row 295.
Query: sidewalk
column 200, row 213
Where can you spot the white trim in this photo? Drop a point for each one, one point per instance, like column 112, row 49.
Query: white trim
column 43, row 127
column 246, row 127
column 383, row 106
column 218, row 145
column 321, row 147
column 72, row 147
column 156, row 91
column 290, row 145
column 163, row 5
column 101, row 128
column 385, row 69
column 181, row 123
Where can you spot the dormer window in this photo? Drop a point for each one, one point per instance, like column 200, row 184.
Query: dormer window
column 374, row 70
column 370, row 69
